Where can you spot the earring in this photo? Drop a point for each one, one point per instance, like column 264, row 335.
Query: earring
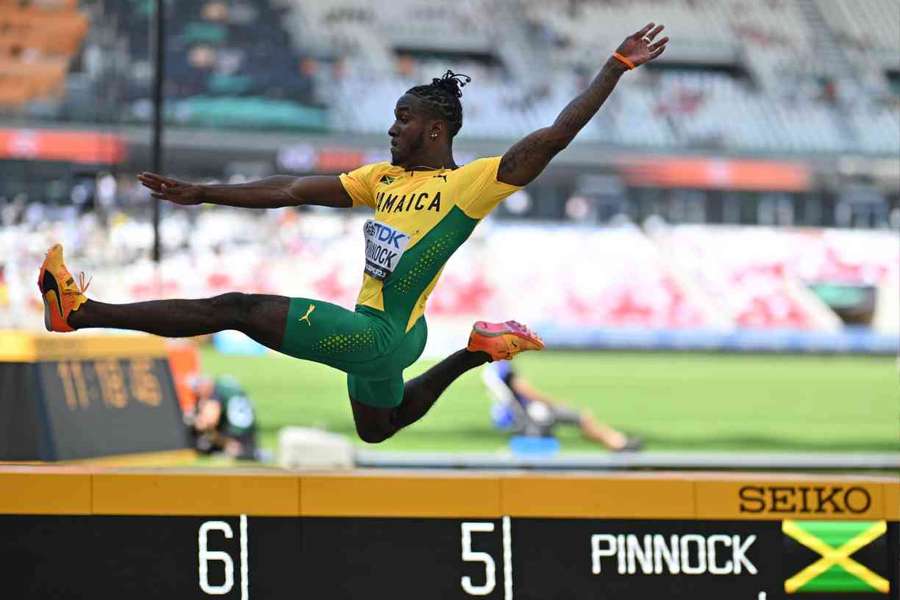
column 434, row 135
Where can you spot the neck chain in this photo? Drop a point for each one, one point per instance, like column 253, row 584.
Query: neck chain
column 427, row 168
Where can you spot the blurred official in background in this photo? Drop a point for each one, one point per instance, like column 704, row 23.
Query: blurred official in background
column 522, row 409
column 223, row 419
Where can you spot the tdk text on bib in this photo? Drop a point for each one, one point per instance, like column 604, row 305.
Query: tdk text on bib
column 384, row 247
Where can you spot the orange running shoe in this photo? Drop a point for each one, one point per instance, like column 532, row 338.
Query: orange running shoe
column 60, row 293
column 503, row 340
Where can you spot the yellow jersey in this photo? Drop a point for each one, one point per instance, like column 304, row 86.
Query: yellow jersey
column 420, row 219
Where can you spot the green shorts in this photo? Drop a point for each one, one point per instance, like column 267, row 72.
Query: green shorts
column 366, row 344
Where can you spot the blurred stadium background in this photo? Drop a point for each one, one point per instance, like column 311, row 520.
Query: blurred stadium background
column 733, row 206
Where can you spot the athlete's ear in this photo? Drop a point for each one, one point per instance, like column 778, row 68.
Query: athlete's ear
column 435, row 130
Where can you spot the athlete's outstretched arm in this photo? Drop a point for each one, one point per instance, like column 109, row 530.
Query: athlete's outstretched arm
column 271, row 192
column 529, row 156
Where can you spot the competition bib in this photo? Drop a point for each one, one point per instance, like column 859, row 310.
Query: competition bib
column 384, row 247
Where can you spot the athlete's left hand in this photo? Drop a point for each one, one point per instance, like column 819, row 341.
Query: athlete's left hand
column 640, row 48
column 173, row 190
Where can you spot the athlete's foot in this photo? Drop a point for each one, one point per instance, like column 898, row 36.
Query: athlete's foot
column 502, row 341
column 60, row 293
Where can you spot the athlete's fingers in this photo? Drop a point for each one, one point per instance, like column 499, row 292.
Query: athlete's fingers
column 172, row 192
column 654, row 32
column 147, row 180
column 148, row 176
column 638, row 35
column 151, row 182
column 657, row 52
column 658, row 44
column 156, row 179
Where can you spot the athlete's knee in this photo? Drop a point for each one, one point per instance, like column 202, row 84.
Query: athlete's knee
column 373, row 424
column 372, row 435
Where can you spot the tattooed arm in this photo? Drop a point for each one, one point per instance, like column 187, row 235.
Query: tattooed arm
column 529, row 156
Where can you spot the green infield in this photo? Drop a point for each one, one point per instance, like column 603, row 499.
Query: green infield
column 678, row 402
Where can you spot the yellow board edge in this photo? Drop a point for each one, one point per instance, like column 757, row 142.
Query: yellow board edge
column 163, row 458
column 90, row 488
column 29, row 347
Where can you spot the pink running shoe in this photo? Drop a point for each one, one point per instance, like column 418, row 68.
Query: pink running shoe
column 503, row 340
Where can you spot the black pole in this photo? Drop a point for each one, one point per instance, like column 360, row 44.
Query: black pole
column 158, row 78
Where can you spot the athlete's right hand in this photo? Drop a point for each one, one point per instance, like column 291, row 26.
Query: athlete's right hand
column 173, row 190
column 640, row 48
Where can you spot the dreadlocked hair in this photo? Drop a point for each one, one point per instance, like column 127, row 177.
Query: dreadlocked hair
column 442, row 95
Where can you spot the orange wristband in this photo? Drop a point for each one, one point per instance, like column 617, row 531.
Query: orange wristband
column 623, row 60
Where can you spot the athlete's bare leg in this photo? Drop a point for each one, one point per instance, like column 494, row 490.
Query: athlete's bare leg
column 262, row 317
column 419, row 394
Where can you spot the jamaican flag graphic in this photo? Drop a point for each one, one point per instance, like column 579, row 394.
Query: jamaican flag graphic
column 836, row 557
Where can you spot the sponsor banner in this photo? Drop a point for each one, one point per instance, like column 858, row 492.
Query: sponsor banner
column 384, row 248
column 85, row 147
column 791, row 499
column 503, row 558
column 332, row 159
column 716, row 173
